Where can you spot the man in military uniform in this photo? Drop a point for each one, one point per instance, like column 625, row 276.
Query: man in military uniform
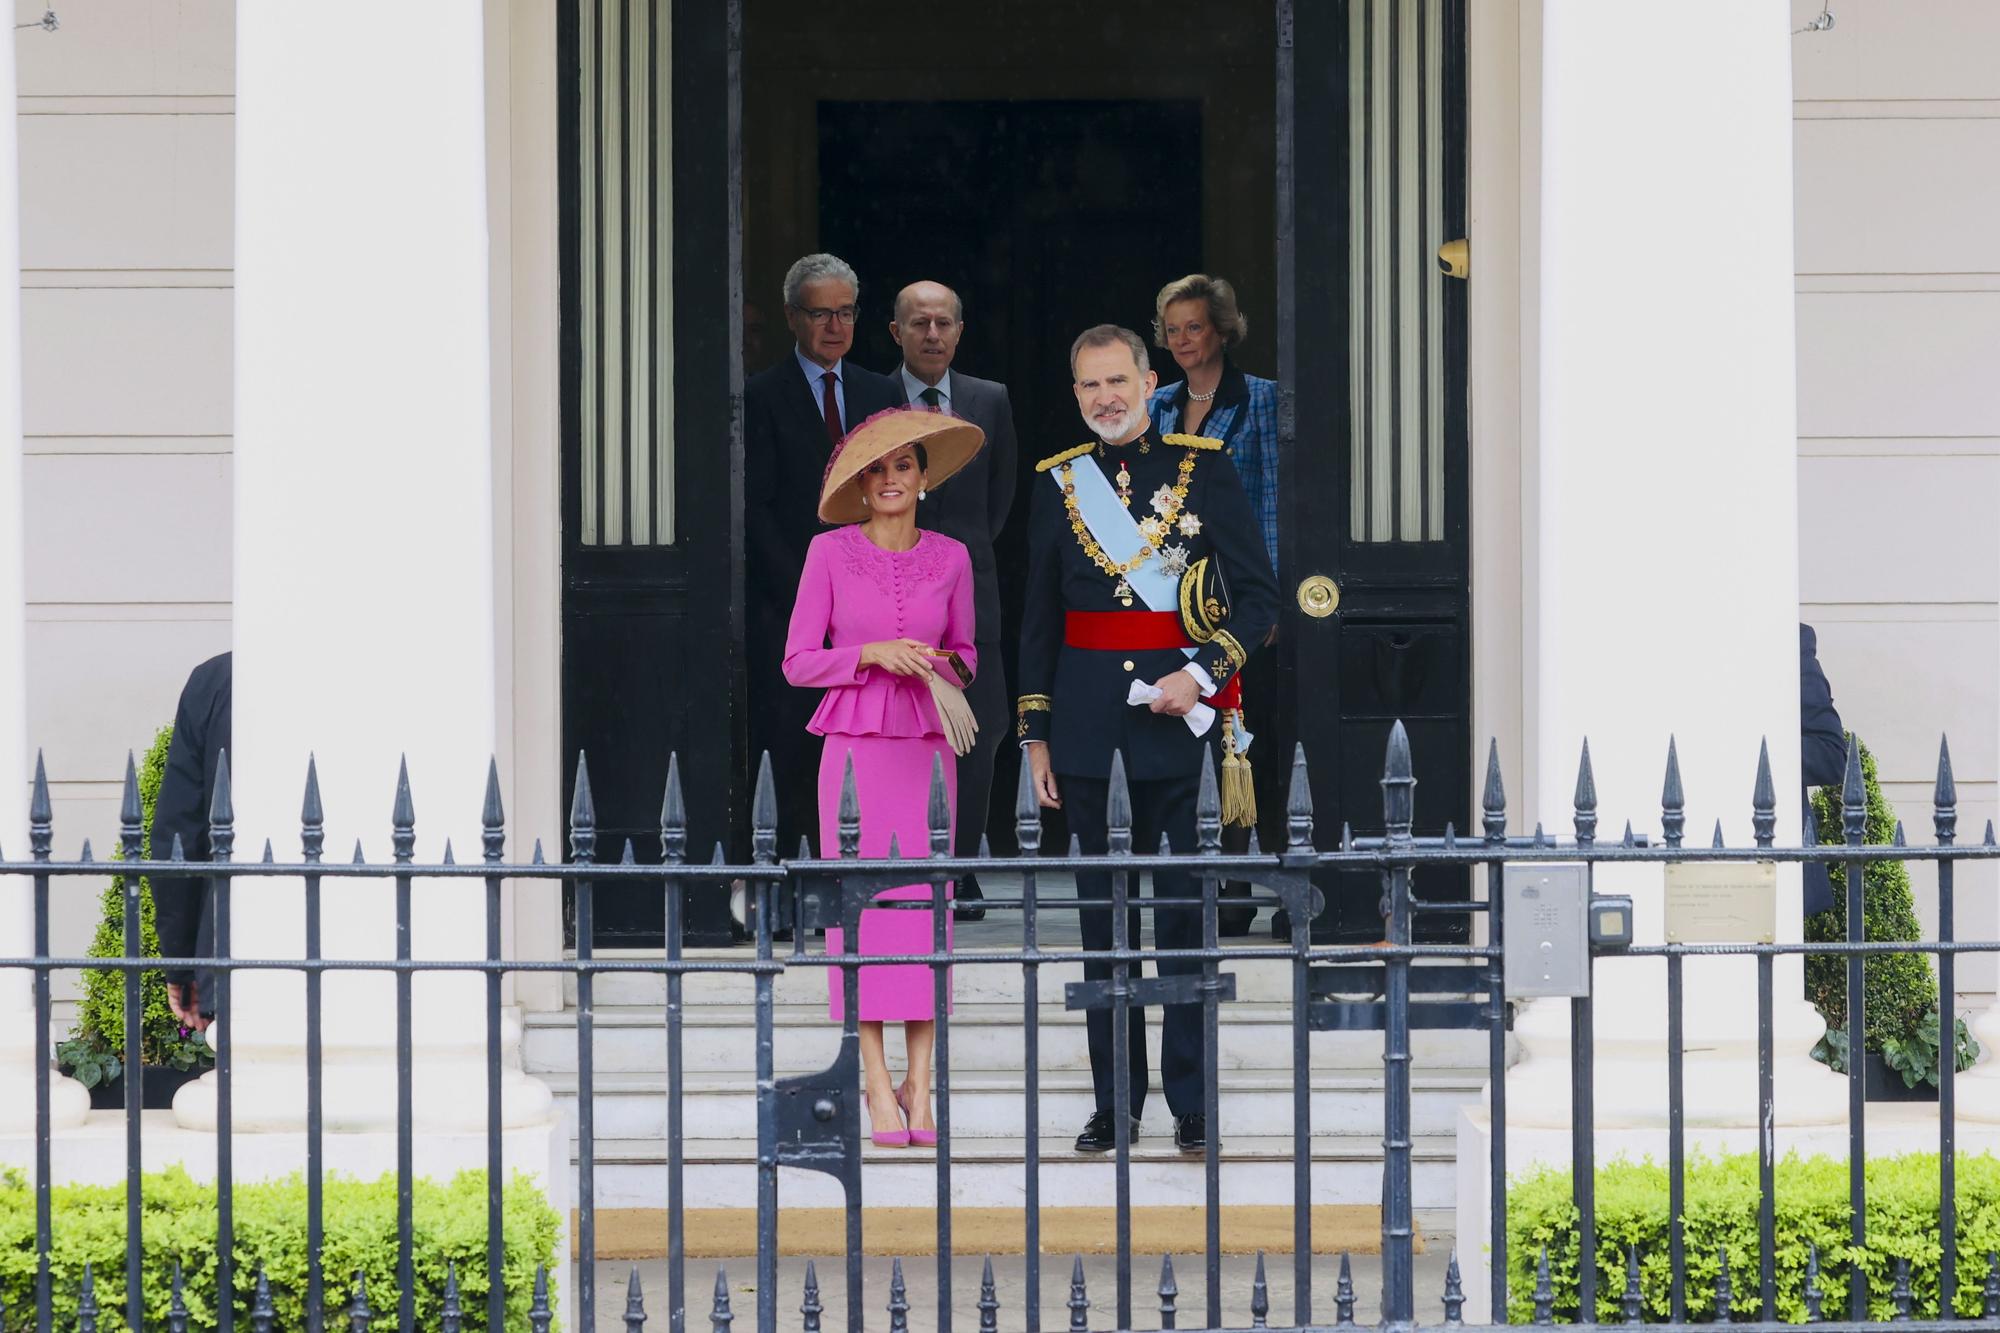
column 1108, row 665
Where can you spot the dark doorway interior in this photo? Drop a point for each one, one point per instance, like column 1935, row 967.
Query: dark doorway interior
column 1040, row 216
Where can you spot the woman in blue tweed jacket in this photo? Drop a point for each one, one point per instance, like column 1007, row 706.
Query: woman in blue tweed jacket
column 1196, row 319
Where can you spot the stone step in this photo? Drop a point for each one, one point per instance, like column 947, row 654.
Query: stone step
column 1346, row 1168
column 720, row 1038
column 990, row 1105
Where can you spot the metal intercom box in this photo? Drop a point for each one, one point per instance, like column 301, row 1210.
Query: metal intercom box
column 1546, row 946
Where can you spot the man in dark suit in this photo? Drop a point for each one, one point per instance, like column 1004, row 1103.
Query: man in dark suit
column 929, row 320
column 180, row 810
column 1116, row 527
column 794, row 414
column 1822, row 755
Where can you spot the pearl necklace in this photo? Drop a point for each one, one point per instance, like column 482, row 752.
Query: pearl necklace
column 1203, row 397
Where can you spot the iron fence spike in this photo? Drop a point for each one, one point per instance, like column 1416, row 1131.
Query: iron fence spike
column 404, row 816
column 1396, row 762
column 1989, row 833
column 1260, row 1297
column 1450, row 837
column 262, row 1313
column 1118, row 807
column 1027, row 809
column 989, row 1299
column 1169, row 1292
column 805, row 848
column 40, row 808
column 848, row 818
column 1075, row 846
column 673, row 814
column 1853, row 793
column 1632, row 1301
column 358, row 1313
column 1627, row 840
column 719, row 1317
column 1545, row 1295
column 1585, row 800
column 1255, row 846
column 1346, row 837
column 539, row 859
column 179, row 853
column 450, row 1315
column 221, row 811
column 985, row 852
column 764, row 814
column 635, row 1304
column 1166, row 845
column 492, row 810
column 1299, row 802
column 1717, row 841
column 810, row 1308
column 1343, row 1293
column 716, row 857
column 626, row 858
column 1673, row 801
column 1808, row 829
column 1992, row 1292
column 582, row 814
column 1208, row 806
column 86, row 1302
column 452, row 861
column 1399, row 784
column 1079, row 1299
column 539, row 1313
column 312, row 815
column 895, row 847
column 939, row 813
column 359, row 859
column 271, row 860
column 1815, row 1297
column 1540, row 840
column 899, row 1299
column 1725, row 1293
column 1900, row 1295
column 177, row 1311
column 1493, row 801
column 131, row 813
column 1944, row 799
column 86, row 856
column 1454, row 1292
column 1764, row 798
column 1897, row 839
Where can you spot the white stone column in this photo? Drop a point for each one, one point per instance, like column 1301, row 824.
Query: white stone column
column 1667, row 589
column 21, row 1044
column 364, row 597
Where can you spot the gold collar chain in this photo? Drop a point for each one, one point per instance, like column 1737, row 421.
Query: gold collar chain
column 1090, row 547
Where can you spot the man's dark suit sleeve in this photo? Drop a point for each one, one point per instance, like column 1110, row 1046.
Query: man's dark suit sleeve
column 1231, row 526
column 181, row 810
column 775, row 564
column 1822, row 739
column 1041, row 617
column 1001, row 467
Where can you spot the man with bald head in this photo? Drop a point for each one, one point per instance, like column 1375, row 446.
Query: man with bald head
column 929, row 319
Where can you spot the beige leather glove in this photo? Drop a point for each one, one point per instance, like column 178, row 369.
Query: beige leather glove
column 954, row 712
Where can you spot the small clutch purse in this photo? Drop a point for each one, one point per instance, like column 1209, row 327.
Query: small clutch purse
column 960, row 728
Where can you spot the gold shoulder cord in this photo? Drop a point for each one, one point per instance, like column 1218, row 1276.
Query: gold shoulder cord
column 1195, row 442
column 1057, row 460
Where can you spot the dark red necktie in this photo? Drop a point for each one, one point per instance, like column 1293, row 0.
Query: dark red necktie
column 833, row 431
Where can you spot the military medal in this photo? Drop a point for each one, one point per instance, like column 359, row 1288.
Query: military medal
column 1123, row 591
column 1174, row 560
column 1190, row 524
column 1123, row 481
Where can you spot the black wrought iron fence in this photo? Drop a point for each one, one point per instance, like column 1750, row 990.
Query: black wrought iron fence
column 814, row 1121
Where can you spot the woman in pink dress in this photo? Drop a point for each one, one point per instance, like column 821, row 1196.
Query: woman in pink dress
column 882, row 605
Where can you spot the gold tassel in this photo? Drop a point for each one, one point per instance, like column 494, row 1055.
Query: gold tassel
column 1239, row 794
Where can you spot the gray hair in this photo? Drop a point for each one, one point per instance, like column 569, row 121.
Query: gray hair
column 1105, row 335
column 1215, row 293
column 818, row 268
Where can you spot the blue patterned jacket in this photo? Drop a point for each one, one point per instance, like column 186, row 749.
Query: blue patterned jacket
column 1244, row 416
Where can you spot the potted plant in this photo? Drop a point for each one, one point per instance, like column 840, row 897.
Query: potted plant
column 94, row 1053
column 1901, row 1023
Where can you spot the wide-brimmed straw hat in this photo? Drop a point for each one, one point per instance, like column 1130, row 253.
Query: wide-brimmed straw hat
column 949, row 444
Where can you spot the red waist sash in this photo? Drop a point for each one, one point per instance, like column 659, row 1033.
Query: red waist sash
column 1128, row 631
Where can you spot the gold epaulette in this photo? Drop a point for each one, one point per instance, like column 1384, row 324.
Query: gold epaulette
column 1193, row 442
column 1057, row 460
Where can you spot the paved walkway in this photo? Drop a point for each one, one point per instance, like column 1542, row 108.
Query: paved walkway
column 1009, row 1273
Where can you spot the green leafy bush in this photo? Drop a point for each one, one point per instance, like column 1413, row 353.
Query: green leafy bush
column 1721, row 1215
column 95, row 1050
column 1899, row 990
column 179, row 1226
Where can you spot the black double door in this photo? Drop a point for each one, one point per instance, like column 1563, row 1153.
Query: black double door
column 1048, row 216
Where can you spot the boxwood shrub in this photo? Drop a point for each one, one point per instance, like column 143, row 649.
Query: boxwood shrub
column 1721, row 1215
column 179, row 1225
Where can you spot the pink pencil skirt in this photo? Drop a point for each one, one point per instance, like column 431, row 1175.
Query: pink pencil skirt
column 892, row 777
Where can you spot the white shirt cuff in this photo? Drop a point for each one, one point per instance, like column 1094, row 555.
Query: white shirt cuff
column 1201, row 678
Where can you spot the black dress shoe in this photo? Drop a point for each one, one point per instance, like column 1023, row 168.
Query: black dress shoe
column 968, row 903
column 1100, row 1132
column 1191, row 1132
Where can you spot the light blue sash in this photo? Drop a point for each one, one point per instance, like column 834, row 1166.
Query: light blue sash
column 1114, row 528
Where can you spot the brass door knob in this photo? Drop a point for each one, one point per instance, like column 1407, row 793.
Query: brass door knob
column 1319, row 596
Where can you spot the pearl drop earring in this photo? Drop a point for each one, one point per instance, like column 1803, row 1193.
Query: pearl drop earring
column 866, row 503
column 921, row 493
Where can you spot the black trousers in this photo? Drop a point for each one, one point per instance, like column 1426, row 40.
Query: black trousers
column 1162, row 806
column 988, row 697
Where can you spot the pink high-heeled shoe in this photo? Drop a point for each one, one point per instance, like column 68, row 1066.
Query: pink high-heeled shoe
column 922, row 1138
column 888, row 1138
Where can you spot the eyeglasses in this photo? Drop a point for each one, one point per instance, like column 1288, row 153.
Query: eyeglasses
column 846, row 314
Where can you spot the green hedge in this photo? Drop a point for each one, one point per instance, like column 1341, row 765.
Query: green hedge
column 179, row 1224
column 1721, row 1214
